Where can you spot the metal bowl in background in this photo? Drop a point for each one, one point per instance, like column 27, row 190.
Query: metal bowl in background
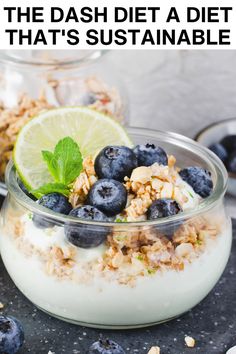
column 213, row 133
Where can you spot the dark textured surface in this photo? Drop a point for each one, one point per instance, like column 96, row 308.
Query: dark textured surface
column 212, row 323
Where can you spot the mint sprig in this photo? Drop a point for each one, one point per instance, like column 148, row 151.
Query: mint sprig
column 51, row 188
column 64, row 165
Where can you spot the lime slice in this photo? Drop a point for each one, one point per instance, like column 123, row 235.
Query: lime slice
column 90, row 129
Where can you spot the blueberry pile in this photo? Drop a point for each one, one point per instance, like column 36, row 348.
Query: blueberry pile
column 226, row 151
column 108, row 196
column 11, row 335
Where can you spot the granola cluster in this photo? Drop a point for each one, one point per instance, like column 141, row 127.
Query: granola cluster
column 83, row 183
column 149, row 251
column 12, row 120
column 127, row 255
column 145, row 185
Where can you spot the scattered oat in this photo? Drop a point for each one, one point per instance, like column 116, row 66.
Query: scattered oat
column 154, row 350
column 190, row 341
column 50, row 352
column 1, row 306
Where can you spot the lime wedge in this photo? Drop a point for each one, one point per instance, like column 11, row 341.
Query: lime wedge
column 90, row 129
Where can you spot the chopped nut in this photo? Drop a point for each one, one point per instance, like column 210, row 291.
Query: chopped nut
column 190, row 341
column 167, row 190
column 154, row 350
column 157, row 184
column 1, row 306
column 171, row 160
column 141, row 174
column 184, row 249
column 83, row 183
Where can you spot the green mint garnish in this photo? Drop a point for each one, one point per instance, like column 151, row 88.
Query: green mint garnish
column 190, row 194
column 140, row 258
column 65, row 163
column 121, row 220
column 30, row 216
column 199, row 242
column 151, row 271
column 51, row 188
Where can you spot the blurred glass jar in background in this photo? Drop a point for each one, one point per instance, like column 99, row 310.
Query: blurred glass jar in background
column 34, row 81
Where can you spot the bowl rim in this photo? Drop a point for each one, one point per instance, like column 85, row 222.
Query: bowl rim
column 212, row 125
column 203, row 131
column 90, row 57
column 208, row 203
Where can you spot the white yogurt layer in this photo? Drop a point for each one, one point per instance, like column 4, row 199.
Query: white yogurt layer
column 44, row 239
column 154, row 298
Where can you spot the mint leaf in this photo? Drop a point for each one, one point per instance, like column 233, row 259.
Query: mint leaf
column 51, row 188
column 65, row 164
column 48, row 157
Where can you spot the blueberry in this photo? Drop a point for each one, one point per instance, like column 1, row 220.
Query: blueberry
column 53, row 201
column 25, row 190
column 148, row 154
column 106, row 347
column 11, row 335
column 85, row 236
column 162, row 208
column 89, row 99
column 220, row 151
column 231, row 163
column 199, row 179
column 115, row 162
column 109, row 196
column 229, row 142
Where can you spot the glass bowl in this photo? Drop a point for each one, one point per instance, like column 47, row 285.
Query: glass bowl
column 144, row 273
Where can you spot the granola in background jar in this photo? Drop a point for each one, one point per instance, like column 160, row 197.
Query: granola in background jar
column 32, row 82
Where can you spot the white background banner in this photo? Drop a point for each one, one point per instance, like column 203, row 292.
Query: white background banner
column 117, row 24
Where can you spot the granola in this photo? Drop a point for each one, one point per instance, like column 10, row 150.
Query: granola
column 12, row 120
column 190, row 342
column 83, row 183
column 126, row 256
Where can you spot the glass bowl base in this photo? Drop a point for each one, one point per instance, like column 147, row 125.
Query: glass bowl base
column 105, row 326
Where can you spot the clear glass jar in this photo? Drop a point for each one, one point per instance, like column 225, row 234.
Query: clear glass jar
column 32, row 81
column 144, row 273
